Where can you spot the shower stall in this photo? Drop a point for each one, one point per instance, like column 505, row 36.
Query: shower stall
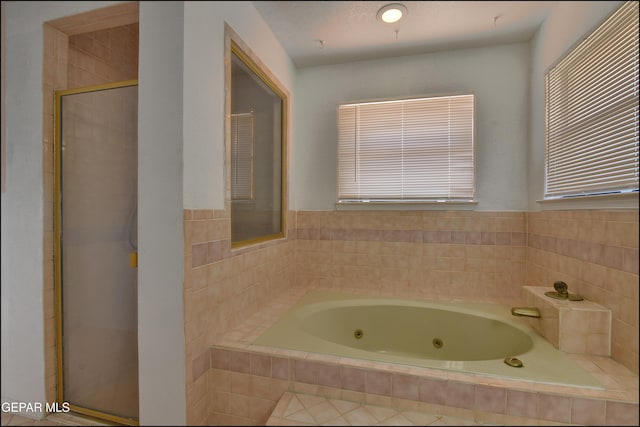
column 96, row 250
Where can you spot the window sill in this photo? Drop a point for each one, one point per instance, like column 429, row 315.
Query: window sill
column 600, row 201
column 406, row 205
column 238, row 248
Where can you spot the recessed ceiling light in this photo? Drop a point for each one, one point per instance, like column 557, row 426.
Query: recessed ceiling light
column 391, row 13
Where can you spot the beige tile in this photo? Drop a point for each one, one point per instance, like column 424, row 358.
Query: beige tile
column 323, row 412
column 490, row 399
column 360, row 417
column 554, row 408
column 522, row 404
column 587, row 412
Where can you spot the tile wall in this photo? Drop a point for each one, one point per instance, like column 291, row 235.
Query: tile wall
column 54, row 78
column 104, row 56
column 596, row 254
column 246, row 386
column 429, row 254
column 579, row 327
column 433, row 254
column 222, row 287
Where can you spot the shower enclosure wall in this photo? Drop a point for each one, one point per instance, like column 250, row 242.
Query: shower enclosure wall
column 97, row 242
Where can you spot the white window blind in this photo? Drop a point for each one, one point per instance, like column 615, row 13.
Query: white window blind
column 592, row 112
column 242, row 156
column 407, row 150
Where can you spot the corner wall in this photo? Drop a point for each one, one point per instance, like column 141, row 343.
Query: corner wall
column 161, row 345
column 221, row 287
column 589, row 244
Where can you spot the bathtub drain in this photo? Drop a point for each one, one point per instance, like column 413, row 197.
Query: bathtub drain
column 437, row 343
column 358, row 333
column 513, row 361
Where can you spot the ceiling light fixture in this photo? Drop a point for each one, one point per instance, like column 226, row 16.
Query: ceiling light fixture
column 391, row 13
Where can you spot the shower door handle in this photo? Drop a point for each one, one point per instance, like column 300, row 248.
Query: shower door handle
column 133, row 259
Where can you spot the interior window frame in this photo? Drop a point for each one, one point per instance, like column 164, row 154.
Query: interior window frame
column 234, row 45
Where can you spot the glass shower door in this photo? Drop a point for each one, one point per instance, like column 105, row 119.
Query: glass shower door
column 97, row 208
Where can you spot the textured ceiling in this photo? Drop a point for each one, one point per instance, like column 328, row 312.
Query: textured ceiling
column 350, row 31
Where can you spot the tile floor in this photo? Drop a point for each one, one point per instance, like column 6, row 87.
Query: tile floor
column 298, row 409
column 295, row 409
column 12, row 419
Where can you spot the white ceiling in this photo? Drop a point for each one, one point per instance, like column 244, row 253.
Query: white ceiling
column 350, row 31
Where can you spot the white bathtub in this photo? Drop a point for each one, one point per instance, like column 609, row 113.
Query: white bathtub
column 458, row 336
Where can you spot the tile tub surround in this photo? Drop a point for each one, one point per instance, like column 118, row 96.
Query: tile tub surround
column 581, row 327
column 433, row 255
column 596, row 254
column 246, row 381
column 222, row 287
column 436, row 255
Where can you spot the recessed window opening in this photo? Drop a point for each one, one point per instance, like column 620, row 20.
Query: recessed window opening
column 592, row 112
column 256, row 111
column 417, row 150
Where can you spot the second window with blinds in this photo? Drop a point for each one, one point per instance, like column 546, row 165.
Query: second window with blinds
column 418, row 150
column 592, row 113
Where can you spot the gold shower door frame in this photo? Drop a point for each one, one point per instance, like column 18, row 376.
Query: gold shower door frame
column 58, row 285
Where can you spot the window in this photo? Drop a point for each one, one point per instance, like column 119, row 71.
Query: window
column 592, row 112
column 256, row 140
column 409, row 150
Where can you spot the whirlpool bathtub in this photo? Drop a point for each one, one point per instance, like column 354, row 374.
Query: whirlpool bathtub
column 476, row 338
